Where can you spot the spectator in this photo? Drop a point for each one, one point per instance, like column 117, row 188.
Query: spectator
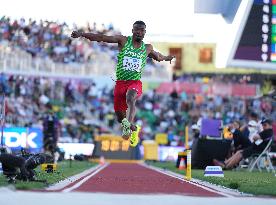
column 240, row 141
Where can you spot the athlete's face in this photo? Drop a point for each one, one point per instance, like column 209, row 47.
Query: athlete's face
column 138, row 32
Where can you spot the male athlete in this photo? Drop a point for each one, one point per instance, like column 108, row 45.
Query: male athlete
column 133, row 53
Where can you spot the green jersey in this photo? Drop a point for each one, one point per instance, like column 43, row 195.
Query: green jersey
column 131, row 61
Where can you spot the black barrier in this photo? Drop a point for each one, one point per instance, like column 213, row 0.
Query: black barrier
column 205, row 150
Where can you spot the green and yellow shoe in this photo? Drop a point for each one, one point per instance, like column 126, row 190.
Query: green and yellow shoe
column 134, row 138
column 126, row 131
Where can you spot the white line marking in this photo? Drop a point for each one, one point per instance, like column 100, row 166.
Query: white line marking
column 77, row 185
column 190, row 182
column 60, row 185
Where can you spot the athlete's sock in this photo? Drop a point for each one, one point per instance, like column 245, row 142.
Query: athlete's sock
column 133, row 127
column 126, row 127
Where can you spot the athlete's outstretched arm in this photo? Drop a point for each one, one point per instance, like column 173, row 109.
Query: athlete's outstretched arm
column 158, row 56
column 99, row 37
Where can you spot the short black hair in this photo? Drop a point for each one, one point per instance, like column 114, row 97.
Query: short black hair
column 139, row 23
column 254, row 115
column 238, row 122
column 266, row 120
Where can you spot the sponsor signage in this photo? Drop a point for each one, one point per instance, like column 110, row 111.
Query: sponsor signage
column 166, row 153
column 21, row 137
column 76, row 148
column 213, row 171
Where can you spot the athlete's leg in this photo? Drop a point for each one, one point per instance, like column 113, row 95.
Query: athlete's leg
column 131, row 97
column 120, row 108
column 120, row 115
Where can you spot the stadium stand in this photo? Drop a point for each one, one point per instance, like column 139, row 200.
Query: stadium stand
column 44, row 48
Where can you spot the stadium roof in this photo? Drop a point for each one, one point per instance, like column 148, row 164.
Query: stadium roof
column 168, row 21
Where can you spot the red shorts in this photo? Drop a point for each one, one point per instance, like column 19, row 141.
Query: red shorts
column 120, row 90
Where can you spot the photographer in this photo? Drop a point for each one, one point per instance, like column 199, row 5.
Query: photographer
column 22, row 166
column 12, row 165
column 35, row 160
column 50, row 132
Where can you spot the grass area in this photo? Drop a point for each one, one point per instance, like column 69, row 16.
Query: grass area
column 63, row 171
column 257, row 183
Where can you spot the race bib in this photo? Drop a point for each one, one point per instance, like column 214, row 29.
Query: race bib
column 132, row 64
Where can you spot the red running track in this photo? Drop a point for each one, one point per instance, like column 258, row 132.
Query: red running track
column 137, row 179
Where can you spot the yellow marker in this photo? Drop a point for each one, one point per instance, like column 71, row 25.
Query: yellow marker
column 186, row 138
column 49, row 168
column 189, row 165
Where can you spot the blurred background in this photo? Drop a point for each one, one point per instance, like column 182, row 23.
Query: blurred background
column 59, row 90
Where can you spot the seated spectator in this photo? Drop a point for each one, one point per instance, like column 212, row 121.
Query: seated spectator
column 252, row 126
column 240, row 141
column 196, row 131
column 260, row 142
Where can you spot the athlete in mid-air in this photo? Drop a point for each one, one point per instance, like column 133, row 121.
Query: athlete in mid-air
column 133, row 53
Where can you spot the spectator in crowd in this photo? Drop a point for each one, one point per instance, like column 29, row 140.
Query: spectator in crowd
column 196, row 131
column 253, row 124
column 51, row 130
column 240, row 141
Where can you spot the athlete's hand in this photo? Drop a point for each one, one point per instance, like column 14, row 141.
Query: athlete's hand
column 76, row 34
column 170, row 58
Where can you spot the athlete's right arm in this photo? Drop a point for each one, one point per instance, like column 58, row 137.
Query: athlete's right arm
column 100, row 37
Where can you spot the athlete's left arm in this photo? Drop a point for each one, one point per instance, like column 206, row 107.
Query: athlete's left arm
column 158, row 56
